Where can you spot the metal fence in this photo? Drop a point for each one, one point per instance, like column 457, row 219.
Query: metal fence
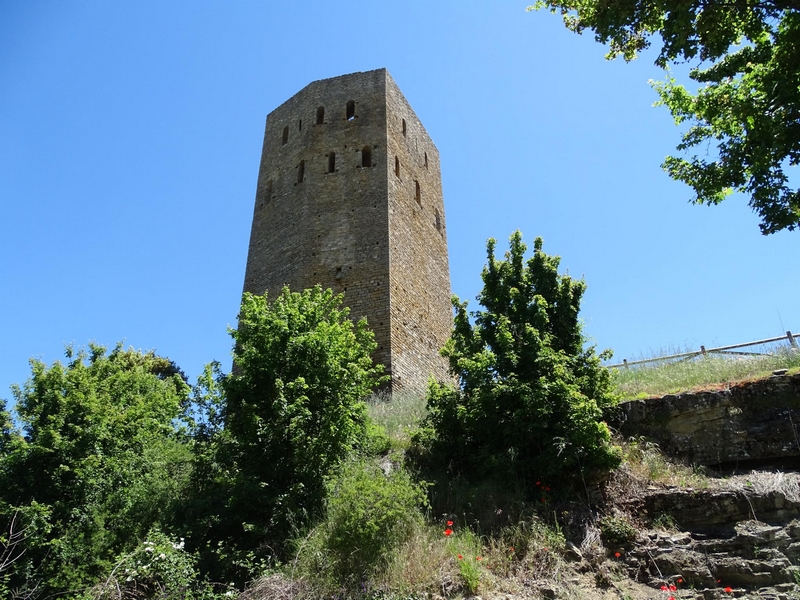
column 790, row 337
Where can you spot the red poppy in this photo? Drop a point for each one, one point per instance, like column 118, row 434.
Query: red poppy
column 671, row 598
column 448, row 532
column 672, row 588
column 663, row 588
column 538, row 483
column 449, row 523
column 680, row 580
column 460, row 557
column 617, row 554
column 547, row 489
column 728, row 590
column 511, row 549
column 477, row 558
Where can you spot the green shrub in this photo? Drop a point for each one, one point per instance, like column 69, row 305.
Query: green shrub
column 99, row 461
column 530, row 396
column 159, row 567
column 369, row 514
column 617, row 532
column 292, row 410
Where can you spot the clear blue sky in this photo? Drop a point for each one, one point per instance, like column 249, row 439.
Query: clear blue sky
column 130, row 138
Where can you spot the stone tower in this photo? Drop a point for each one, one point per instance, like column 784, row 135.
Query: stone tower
column 350, row 196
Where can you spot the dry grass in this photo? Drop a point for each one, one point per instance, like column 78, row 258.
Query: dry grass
column 399, row 414
column 645, row 461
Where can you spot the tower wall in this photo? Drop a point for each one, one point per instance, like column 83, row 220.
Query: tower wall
column 357, row 228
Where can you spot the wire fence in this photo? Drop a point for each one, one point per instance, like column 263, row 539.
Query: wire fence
column 790, row 337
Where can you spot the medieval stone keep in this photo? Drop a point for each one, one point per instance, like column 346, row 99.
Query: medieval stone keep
column 350, row 196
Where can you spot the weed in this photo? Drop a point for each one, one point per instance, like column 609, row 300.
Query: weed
column 617, row 532
column 665, row 522
column 399, row 414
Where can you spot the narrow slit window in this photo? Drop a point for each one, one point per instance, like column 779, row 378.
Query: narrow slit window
column 397, row 166
column 366, row 156
column 417, row 194
column 301, row 171
column 320, row 115
column 426, row 160
column 404, row 128
column 300, row 125
column 438, row 222
column 351, row 110
column 332, row 162
column 285, row 134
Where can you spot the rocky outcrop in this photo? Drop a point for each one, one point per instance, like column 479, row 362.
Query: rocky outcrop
column 747, row 422
column 743, row 535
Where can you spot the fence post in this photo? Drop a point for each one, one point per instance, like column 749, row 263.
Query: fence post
column 791, row 339
column 703, row 350
column 625, row 362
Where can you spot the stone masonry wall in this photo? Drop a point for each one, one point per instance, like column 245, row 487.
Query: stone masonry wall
column 419, row 272
column 325, row 213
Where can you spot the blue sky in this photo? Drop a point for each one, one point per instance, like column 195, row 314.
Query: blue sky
column 130, row 138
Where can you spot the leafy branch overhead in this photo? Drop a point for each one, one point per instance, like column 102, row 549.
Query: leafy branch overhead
column 744, row 120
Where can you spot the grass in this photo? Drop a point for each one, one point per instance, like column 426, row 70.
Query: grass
column 430, row 563
column 657, row 379
column 398, row 413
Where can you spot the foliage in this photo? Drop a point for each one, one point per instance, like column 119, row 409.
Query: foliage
column 292, row 411
column 158, row 567
column 748, row 102
column 399, row 413
column 616, row 532
column 530, row 396
column 369, row 515
column 100, row 461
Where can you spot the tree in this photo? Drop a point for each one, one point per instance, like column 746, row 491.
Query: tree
column 98, row 463
column 747, row 54
column 291, row 410
column 529, row 399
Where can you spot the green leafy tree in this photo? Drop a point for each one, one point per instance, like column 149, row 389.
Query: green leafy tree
column 748, row 101
column 291, row 411
column 530, row 396
column 98, row 463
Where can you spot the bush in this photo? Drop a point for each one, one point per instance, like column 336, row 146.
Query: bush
column 528, row 405
column 292, row 410
column 99, row 461
column 369, row 514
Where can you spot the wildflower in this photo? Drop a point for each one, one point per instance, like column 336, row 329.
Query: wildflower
column 460, row 557
column 547, row 489
column 538, row 483
column 477, row 558
column 663, row 588
column 511, row 549
column 449, row 523
column 162, row 556
column 448, row 532
column 672, row 588
column 617, row 554
column 671, row 598
column 680, row 580
column 728, row 590
column 148, row 549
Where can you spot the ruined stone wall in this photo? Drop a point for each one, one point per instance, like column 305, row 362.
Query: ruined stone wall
column 330, row 210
